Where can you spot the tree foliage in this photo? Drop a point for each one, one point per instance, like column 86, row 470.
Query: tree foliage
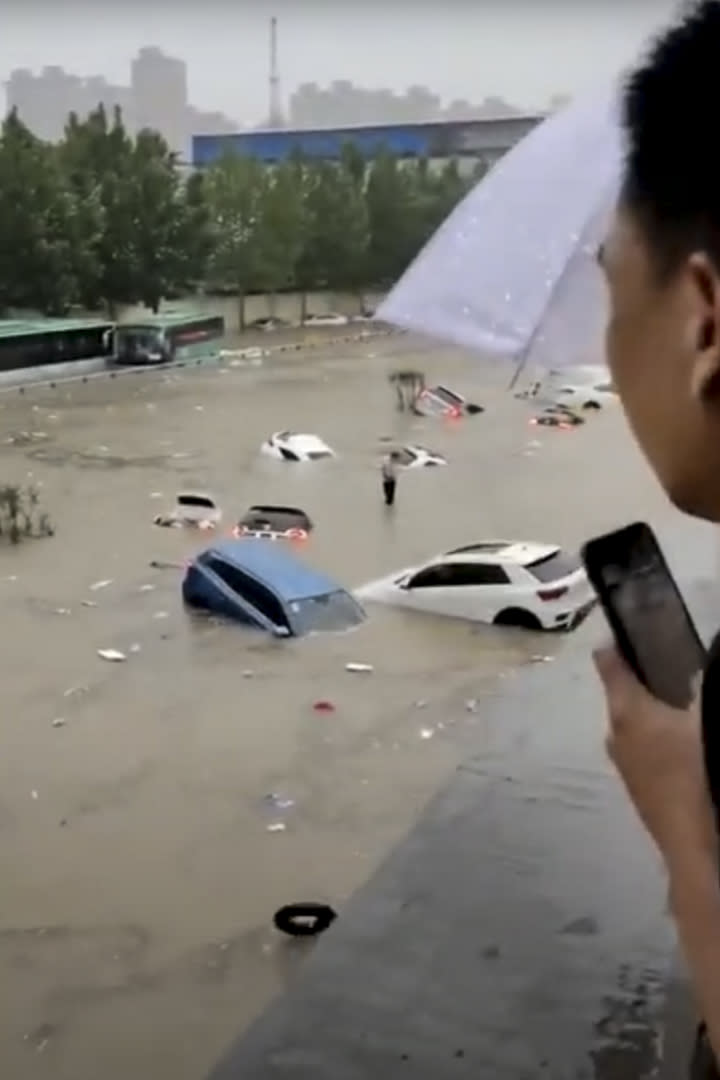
column 104, row 219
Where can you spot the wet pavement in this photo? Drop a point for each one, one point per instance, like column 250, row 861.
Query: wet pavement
column 139, row 866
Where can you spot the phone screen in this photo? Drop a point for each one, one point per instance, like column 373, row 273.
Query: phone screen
column 640, row 590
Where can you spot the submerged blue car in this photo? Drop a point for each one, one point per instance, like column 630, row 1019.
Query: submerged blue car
column 265, row 586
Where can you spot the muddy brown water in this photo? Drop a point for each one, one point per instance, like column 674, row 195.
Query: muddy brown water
column 138, row 871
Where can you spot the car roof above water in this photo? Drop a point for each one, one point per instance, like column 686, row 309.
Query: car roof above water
column 274, row 566
column 519, row 552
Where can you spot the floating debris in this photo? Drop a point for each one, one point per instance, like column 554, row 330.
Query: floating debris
column 113, row 655
column 277, row 826
column 146, row 588
column 472, row 705
column 352, row 666
column 248, row 674
column 323, row 706
column 74, row 690
column 62, row 611
column 34, row 795
column 426, row 733
column 541, row 659
column 97, row 585
column 161, row 615
column 280, row 802
column 88, row 603
column 58, row 722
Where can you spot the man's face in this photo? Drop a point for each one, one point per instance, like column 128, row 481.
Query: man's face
column 663, row 347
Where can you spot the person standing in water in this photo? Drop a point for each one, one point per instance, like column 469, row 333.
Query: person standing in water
column 388, row 471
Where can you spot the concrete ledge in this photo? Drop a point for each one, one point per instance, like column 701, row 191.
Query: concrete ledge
column 519, row 932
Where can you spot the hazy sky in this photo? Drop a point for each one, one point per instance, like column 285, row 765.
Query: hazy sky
column 523, row 50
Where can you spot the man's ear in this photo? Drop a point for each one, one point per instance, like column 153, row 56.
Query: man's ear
column 703, row 330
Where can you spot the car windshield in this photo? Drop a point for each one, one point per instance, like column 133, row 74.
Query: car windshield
column 552, row 567
column 333, row 611
column 315, row 455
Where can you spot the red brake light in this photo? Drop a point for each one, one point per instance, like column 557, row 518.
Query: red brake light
column 552, row 594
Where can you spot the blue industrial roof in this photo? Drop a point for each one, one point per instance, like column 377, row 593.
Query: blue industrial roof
column 275, row 566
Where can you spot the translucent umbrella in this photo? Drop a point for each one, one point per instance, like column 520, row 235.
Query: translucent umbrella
column 512, row 271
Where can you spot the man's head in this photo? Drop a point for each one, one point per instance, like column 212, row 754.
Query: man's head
column 662, row 261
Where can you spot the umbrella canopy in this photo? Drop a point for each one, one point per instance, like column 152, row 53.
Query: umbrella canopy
column 512, row 271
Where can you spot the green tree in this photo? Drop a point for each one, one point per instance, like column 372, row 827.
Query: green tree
column 336, row 245
column 234, row 188
column 159, row 234
column 197, row 236
column 42, row 225
column 97, row 157
column 282, row 233
column 391, row 197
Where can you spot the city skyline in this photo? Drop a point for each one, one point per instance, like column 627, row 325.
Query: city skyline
column 512, row 51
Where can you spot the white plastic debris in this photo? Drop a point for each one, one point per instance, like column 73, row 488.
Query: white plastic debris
column 471, row 705
column 34, row 795
column 146, row 588
column 88, row 603
column 62, row 611
column 135, row 647
column 161, row 615
column 113, row 655
column 426, row 733
column 355, row 667
column 277, row 826
column 58, row 722
column 541, row 659
column 97, row 585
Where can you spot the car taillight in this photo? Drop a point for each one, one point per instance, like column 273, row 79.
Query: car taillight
column 552, row 594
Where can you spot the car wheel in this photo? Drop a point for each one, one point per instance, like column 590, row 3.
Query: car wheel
column 591, row 405
column 518, row 617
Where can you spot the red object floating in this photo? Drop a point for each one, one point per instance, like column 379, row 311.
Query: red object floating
column 323, row 706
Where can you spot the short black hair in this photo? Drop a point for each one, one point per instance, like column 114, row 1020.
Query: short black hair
column 670, row 118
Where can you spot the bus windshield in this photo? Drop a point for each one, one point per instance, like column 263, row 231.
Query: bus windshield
column 139, row 343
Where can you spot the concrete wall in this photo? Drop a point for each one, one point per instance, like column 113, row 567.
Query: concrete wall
column 286, row 306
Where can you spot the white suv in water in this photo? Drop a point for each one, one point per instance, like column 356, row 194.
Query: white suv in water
column 505, row 582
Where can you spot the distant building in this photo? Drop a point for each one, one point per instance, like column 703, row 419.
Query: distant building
column 476, row 140
column 342, row 104
column 157, row 99
column 158, row 85
column 44, row 101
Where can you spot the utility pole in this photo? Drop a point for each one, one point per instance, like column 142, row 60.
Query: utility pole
column 275, row 111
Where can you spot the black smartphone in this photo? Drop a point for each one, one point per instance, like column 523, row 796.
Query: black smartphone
column 649, row 619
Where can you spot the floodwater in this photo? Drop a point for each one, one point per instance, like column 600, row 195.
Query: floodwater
column 138, row 864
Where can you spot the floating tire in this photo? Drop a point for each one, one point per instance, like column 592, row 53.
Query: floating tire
column 304, row 920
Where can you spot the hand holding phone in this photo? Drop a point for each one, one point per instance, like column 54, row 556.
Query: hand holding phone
column 652, row 626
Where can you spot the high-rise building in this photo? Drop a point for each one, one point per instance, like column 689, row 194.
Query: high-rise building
column 160, row 98
column 44, row 101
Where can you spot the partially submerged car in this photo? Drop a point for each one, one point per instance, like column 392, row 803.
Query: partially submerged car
column 191, row 509
column 269, row 322
column 559, row 416
column 417, row 457
column 506, row 582
column 330, row 318
column 274, row 523
column 442, row 401
column 266, row 587
column 296, row 446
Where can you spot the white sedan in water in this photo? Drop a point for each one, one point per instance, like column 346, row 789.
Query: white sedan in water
column 296, row 446
column 417, row 457
column 505, row 582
